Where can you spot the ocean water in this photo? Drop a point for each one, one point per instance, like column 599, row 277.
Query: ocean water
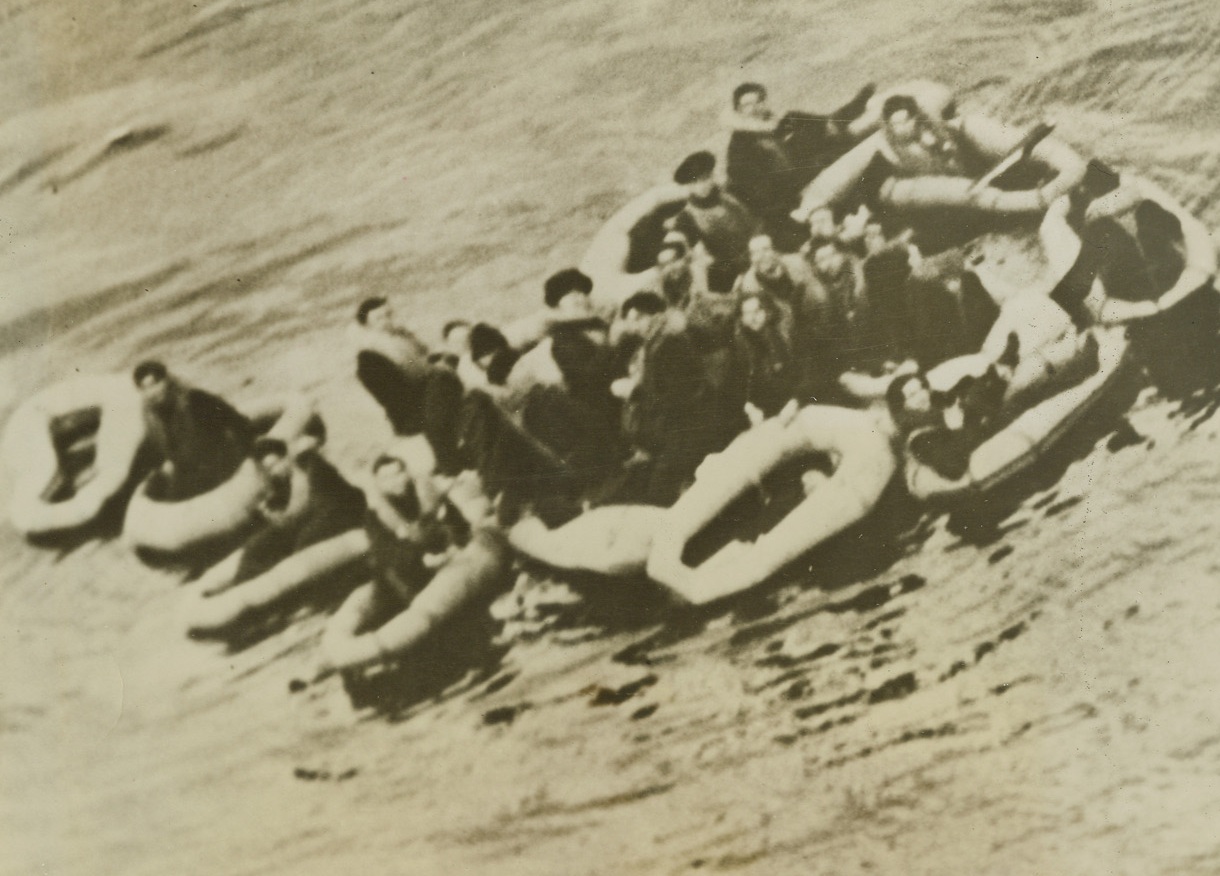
column 1026, row 688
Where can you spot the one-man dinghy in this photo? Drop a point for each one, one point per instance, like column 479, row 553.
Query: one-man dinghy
column 475, row 573
column 71, row 448
column 212, row 605
column 1023, row 441
column 858, row 446
column 621, row 259
column 170, row 527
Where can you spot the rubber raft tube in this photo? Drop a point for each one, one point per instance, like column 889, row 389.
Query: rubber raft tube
column 99, row 416
column 475, row 573
column 863, row 464
column 214, row 605
column 1022, row 442
column 921, row 188
column 621, row 259
column 613, row 540
column 172, row 527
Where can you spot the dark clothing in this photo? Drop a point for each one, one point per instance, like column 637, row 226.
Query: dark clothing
column 763, row 371
column 397, row 561
column 417, row 400
column 725, row 227
column 671, row 417
column 1136, row 255
column 947, row 451
column 399, row 390
column 512, row 463
column 202, row 436
column 334, row 507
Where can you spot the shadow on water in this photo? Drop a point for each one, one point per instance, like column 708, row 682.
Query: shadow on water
column 456, row 658
column 861, row 553
column 1181, row 353
column 322, row 596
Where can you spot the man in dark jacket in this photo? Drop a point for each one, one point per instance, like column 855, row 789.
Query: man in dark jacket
column 715, row 219
column 770, row 161
column 199, row 438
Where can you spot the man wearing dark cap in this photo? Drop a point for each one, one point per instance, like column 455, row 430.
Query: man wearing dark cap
column 199, row 438
column 714, row 219
column 568, row 291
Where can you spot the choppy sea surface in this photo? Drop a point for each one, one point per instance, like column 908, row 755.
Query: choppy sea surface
column 1028, row 688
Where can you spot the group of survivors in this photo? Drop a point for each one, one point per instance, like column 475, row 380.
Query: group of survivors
column 757, row 296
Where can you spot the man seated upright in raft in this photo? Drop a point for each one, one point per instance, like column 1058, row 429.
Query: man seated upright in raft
column 770, row 160
column 198, row 438
column 926, row 154
column 415, row 535
column 715, row 220
column 1032, row 352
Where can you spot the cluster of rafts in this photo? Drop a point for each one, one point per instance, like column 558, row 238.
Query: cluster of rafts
column 76, row 446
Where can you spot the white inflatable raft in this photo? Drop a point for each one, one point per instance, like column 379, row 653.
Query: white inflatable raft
column 107, row 411
column 858, row 447
column 1019, row 444
column 172, row 527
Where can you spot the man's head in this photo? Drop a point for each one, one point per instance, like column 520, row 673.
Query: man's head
column 391, row 476
column 375, row 313
column 152, row 379
column 763, row 257
column 828, row 256
column 485, row 342
column 695, row 172
column 753, row 313
column 638, row 311
column 901, row 117
column 822, row 222
column 455, row 337
column 568, row 291
column 750, row 99
column 271, row 456
column 909, row 399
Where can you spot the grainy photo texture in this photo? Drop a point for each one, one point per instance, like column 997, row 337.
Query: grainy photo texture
column 766, row 437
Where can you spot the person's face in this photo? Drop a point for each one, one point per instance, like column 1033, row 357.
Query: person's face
column 382, row 318
column 874, row 237
column 274, row 466
column 392, row 480
column 916, row 398
column 903, row 127
column 822, row 223
column 754, row 105
column 574, row 304
column 763, row 256
column 753, row 314
column 670, row 265
column 457, row 341
column 829, row 261
column 154, row 391
column 702, row 188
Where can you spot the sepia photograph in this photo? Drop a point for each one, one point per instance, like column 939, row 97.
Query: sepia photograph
column 640, row 438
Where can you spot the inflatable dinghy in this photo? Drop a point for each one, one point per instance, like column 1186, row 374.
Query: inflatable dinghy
column 622, row 257
column 1023, row 441
column 71, row 448
column 208, row 610
column 475, row 573
column 862, row 464
column 170, row 527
